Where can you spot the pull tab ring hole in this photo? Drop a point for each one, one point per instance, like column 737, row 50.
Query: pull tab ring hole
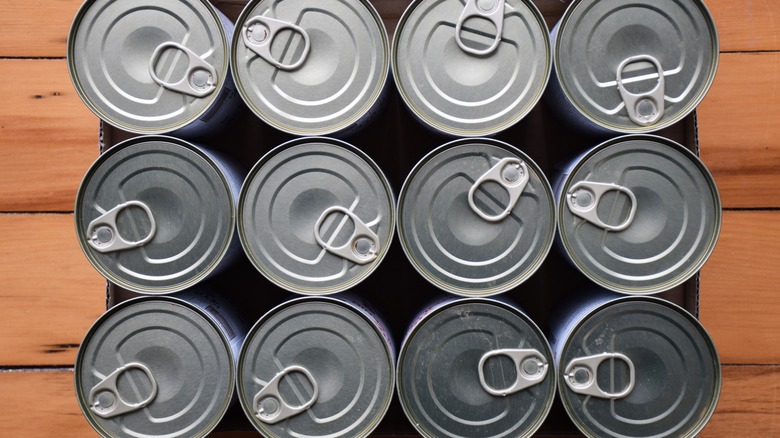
column 133, row 223
column 614, row 207
column 500, row 372
column 295, row 390
column 643, row 77
column 337, row 229
column 478, row 33
column 164, row 67
column 613, row 376
column 287, row 46
column 491, row 198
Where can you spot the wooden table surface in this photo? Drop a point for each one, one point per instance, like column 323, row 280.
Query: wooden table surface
column 50, row 295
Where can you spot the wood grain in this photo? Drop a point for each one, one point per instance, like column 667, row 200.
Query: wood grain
column 748, row 25
column 36, row 28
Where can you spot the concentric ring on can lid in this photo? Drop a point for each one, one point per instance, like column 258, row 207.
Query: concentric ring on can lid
column 458, row 83
column 310, row 67
column 439, row 382
column 154, row 366
column 598, row 42
column 316, row 216
column 638, row 214
column 155, row 214
column 476, row 217
column 148, row 67
column 322, row 354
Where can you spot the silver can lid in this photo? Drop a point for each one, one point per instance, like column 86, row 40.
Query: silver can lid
column 148, row 67
column 155, row 214
column 315, row 367
column 639, row 367
column 476, row 368
column 639, row 214
column 310, row 67
column 476, row 217
column 316, row 216
column 609, row 56
column 471, row 70
column 153, row 367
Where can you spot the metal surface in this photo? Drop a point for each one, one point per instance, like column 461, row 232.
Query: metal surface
column 476, row 217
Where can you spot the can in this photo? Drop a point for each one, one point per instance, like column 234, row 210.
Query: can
column 160, row 366
column 475, row 367
column 156, row 214
column 632, row 66
column 316, row 216
column 638, row 214
column 154, row 67
column 634, row 367
column 316, row 367
column 311, row 67
column 476, row 217
column 472, row 70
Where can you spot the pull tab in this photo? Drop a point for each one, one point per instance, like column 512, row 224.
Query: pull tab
column 513, row 175
column 583, row 201
column 491, row 10
column 581, row 376
column 269, row 405
column 361, row 248
column 103, row 234
column 530, row 365
column 199, row 79
column 644, row 109
column 259, row 32
column 105, row 398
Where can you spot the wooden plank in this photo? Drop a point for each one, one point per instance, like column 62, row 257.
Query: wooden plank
column 738, row 129
column 48, row 138
column 36, row 28
column 748, row 25
column 50, row 294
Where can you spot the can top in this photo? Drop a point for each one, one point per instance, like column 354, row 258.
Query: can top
column 639, row 214
column 639, row 366
column 317, row 216
column 636, row 66
column 154, row 214
column 476, row 368
column 148, row 68
column 154, row 366
column 315, row 367
column 310, row 67
column 476, row 217
column 474, row 70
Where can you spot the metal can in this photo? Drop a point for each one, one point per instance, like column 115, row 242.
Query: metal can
column 638, row 214
column 471, row 70
column 154, row 67
column 316, row 216
column 156, row 214
column 311, row 67
column 159, row 366
column 632, row 66
column 476, row 217
column 475, row 368
column 634, row 367
column 316, row 367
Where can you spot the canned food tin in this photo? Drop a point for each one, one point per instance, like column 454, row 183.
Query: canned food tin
column 157, row 214
column 153, row 67
column 316, row 216
column 159, row 366
column 476, row 217
column 638, row 214
column 633, row 66
column 311, row 67
column 475, row 368
column 316, row 367
column 471, row 70
column 635, row 367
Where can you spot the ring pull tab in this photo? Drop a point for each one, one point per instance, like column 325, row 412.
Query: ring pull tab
column 530, row 366
column 491, row 10
column 198, row 81
column 106, row 401
column 510, row 173
column 644, row 109
column 581, row 376
column 583, row 200
column 269, row 405
column 259, row 32
column 363, row 245
column 103, row 233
